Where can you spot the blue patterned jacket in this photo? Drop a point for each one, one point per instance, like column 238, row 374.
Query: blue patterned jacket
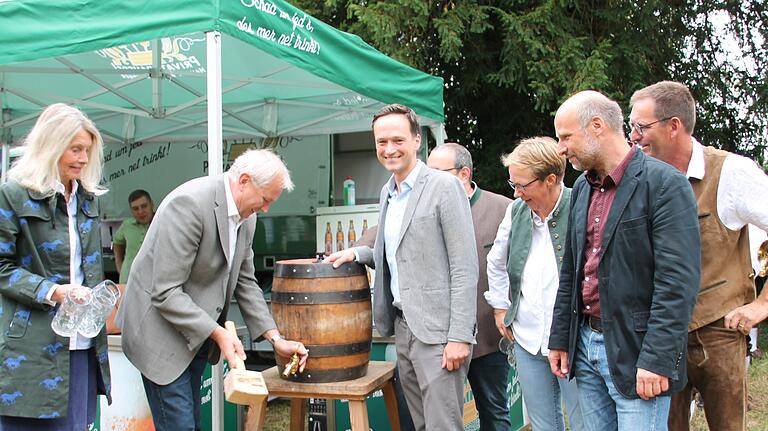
column 34, row 255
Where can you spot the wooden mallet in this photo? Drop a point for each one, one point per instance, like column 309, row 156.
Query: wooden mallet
column 242, row 386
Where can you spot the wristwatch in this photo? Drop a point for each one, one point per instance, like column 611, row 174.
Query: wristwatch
column 273, row 339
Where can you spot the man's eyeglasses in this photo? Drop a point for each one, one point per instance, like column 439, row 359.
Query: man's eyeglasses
column 521, row 187
column 640, row 127
column 449, row 169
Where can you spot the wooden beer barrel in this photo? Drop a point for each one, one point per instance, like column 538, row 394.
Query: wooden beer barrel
column 327, row 309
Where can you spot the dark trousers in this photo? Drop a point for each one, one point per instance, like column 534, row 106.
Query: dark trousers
column 716, row 368
column 171, row 404
column 488, row 376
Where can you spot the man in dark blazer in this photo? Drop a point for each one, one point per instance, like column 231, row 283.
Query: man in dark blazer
column 630, row 273
column 198, row 254
column 426, row 273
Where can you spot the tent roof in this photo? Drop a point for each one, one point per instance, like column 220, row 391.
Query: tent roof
column 139, row 69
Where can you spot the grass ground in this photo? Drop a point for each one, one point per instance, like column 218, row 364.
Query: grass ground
column 278, row 412
column 278, row 415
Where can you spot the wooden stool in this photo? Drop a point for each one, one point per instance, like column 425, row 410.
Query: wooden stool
column 380, row 376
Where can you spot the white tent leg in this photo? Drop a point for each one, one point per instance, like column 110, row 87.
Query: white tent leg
column 5, row 162
column 213, row 65
column 213, row 43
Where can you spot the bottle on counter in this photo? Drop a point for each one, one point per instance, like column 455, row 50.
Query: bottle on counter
column 328, row 239
column 351, row 236
column 349, row 191
column 339, row 237
column 365, row 227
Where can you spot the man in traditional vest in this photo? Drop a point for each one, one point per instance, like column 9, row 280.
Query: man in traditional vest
column 662, row 122
column 489, row 368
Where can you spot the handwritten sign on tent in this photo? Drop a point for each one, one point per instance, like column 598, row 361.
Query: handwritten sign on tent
column 293, row 28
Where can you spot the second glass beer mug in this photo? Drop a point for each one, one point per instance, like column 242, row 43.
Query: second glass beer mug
column 105, row 296
column 71, row 312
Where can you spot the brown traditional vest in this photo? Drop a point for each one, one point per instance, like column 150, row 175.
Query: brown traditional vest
column 488, row 211
column 726, row 268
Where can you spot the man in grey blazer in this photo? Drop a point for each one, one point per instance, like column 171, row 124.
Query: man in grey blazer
column 425, row 285
column 197, row 254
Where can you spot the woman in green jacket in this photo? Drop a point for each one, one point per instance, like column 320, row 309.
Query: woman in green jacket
column 523, row 275
column 50, row 243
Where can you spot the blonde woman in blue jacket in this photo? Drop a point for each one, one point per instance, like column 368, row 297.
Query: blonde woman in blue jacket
column 50, row 242
column 523, row 276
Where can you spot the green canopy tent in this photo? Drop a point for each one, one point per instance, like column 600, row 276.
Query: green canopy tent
column 173, row 70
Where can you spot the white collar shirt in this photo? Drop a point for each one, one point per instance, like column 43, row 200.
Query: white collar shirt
column 76, row 274
column 233, row 221
column 397, row 203
column 539, row 281
column 741, row 191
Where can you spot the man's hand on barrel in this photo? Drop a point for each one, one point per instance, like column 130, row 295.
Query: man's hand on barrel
column 229, row 344
column 340, row 257
column 454, row 354
column 287, row 348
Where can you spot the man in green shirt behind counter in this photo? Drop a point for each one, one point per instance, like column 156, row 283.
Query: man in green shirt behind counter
column 129, row 237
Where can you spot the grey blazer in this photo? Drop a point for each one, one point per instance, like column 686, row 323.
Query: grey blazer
column 436, row 263
column 179, row 287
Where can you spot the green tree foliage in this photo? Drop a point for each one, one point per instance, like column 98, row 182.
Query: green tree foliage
column 508, row 64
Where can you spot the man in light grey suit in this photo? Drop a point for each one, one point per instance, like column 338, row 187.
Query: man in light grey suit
column 197, row 254
column 425, row 285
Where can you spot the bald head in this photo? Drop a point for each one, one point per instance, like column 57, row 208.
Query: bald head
column 454, row 159
column 461, row 156
column 590, row 104
column 590, row 132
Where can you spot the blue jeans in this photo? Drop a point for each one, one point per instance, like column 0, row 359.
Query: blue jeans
column 544, row 394
column 602, row 406
column 488, row 376
column 171, row 404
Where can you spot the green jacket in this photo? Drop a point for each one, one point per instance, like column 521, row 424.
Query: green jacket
column 520, row 244
column 34, row 255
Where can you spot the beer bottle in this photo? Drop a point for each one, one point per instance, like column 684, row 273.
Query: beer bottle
column 365, row 227
column 328, row 239
column 339, row 237
column 351, row 236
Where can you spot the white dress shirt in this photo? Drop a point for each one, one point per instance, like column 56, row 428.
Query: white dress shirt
column 76, row 274
column 539, row 282
column 741, row 193
column 233, row 221
column 397, row 202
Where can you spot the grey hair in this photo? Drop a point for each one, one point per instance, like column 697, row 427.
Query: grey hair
column 263, row 166
column 461, row 156
column 590, row 104
column 57, row 125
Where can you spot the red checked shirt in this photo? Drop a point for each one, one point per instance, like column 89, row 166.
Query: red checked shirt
column 600, row 201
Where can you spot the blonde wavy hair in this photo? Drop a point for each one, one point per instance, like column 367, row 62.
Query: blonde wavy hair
column 539, row 154
column 38, row 168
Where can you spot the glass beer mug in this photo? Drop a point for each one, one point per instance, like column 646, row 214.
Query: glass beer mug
column 105, row 296
column 508, row 347
column 71, row 312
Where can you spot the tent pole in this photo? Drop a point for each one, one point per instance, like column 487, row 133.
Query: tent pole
column 5, row 162
column 156, row 74
column 213, row 66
